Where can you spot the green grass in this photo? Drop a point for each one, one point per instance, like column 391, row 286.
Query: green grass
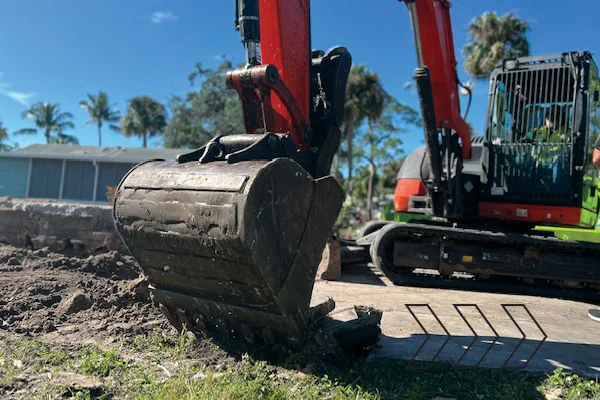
column 199, row 370
column 32, row 356
column 94, row 362
column 572, row 386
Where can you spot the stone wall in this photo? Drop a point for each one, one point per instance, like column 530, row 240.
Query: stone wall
column 54, row 223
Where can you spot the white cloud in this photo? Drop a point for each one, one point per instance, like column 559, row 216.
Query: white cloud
column 163, row 16
column 21, row 97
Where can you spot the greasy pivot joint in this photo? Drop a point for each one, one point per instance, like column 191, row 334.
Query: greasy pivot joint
column 254, row 86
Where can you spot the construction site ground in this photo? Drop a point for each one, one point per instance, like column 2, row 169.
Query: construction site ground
column 73, row 326
column 559, row 328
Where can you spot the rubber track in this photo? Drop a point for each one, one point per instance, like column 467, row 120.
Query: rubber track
column 503, row 283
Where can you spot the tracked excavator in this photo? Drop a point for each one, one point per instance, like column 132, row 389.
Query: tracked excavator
column 230, row 235
column 521, row 201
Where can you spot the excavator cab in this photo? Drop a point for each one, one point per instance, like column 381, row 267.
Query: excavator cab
column 540, row 135
column 230, row 235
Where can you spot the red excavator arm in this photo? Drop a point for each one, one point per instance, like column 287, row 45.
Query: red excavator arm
column 435, row 50
column 447, row 135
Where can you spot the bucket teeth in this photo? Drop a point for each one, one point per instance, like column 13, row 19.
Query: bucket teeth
column 230, row 249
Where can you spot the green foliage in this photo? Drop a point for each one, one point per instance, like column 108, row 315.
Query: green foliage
column 386, row 184
column 145, row 117
column 493, row 38
column 100, row 111
column 49, row 118
column 3, row 138
column 368, row 103
column 33, row 356
column 101, row 364
column 572, row 386
column 211, row 111
column 365, row 98
column 365, row 95
column 380, row 144
column 164, row 346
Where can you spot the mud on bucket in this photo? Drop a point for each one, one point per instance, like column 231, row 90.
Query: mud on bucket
column 230, row 249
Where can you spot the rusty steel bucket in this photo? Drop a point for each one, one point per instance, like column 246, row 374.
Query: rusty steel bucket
column 229, row 249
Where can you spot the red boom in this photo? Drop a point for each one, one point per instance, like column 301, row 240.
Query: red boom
column 435, row 48
column 285, row 43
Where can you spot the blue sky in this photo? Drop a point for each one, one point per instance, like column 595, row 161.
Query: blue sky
column 59, row 51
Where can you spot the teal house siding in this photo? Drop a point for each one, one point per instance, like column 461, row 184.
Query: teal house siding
column 13, row 177
column 71, row 172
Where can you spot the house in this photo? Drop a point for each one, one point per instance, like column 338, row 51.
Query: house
column 70, row 173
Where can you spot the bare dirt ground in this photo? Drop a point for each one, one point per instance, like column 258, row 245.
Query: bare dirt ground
column 69, row 298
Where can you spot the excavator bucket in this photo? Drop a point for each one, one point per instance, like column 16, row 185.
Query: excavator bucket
column 229, row 249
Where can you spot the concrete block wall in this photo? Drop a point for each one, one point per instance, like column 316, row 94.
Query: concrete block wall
column 49, row 223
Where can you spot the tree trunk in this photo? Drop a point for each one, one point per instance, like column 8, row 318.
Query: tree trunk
column 335, row 166
column 349, row 133
column 370, row 191
column 47, row 134
column 145, row 139
column 99, row 134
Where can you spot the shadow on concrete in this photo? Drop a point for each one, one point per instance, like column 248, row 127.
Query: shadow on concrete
column 360, row 273
column 489, row 352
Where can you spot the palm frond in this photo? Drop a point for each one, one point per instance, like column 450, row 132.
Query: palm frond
column 26, row 131
column 492, row 38
column 63, row 138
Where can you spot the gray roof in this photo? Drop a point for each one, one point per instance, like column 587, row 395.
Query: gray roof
column 93, row 153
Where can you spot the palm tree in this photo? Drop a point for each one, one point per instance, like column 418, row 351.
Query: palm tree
column 100, row 112
column 145, row 117
column 62, row 138
column 494, row 38
column 49, row 118
column 365, row 98
column 3, row 137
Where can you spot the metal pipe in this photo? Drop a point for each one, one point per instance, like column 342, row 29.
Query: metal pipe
column 424, row 88
column 414, row 19
column 62, row 179
column 29, row 170
column 252, row 53
column 96, row 174
column 249, row 23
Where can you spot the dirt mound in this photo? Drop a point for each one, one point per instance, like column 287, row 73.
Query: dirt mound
column 68, row 296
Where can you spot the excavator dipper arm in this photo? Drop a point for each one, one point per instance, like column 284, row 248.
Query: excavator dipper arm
column 447, row 135
column 435, row 50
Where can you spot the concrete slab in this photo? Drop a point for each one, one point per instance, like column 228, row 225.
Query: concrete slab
column 499, row 337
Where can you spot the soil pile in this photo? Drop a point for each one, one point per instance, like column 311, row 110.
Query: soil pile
column 69, row 297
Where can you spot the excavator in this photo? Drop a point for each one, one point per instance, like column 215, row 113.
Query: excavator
column 230, row 235
column 525, row 202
